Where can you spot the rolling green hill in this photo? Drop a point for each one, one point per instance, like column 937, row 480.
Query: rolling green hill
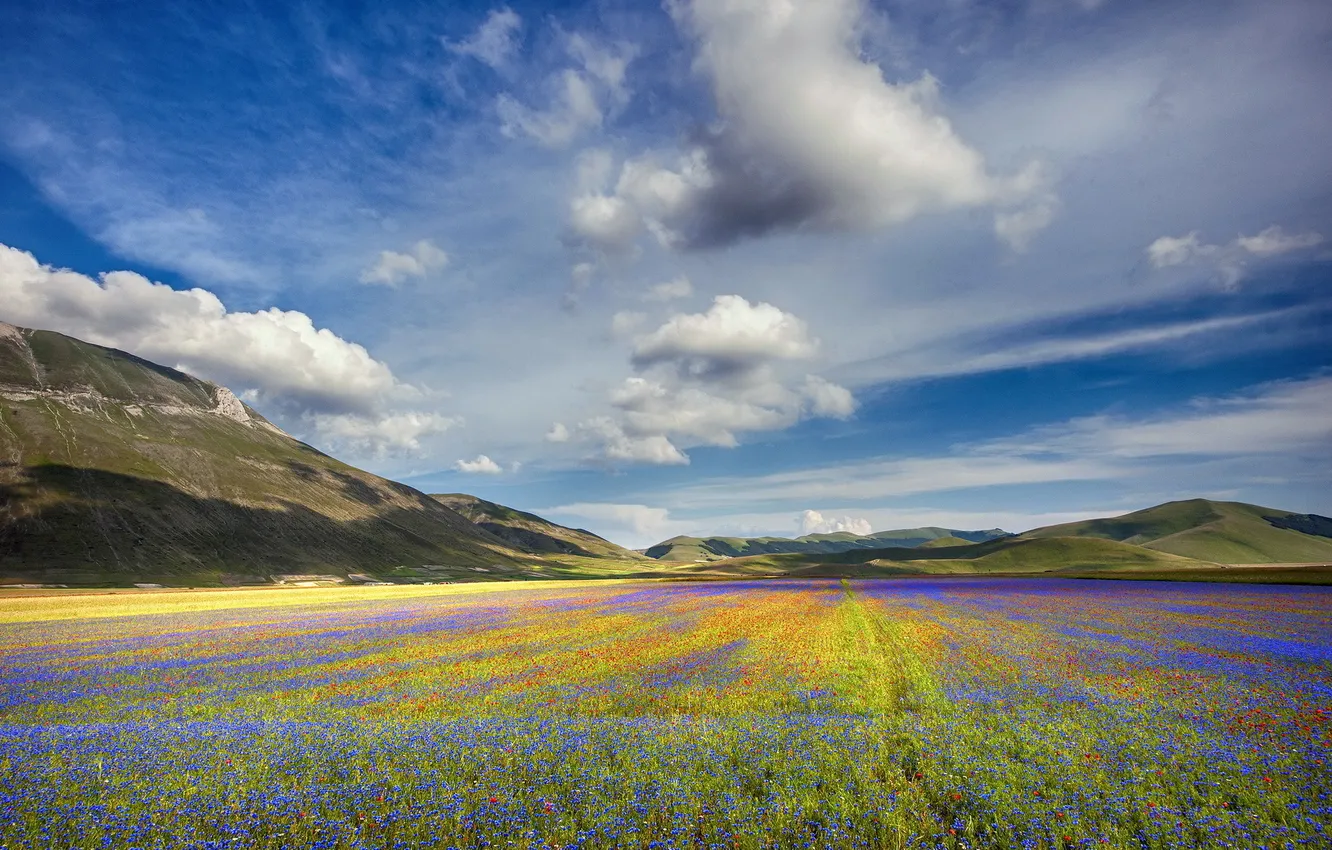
column 1006, row 556
column 940, row 542
column 532, row 534
column 1224, row 532
column 116, row 470
column 696, row 549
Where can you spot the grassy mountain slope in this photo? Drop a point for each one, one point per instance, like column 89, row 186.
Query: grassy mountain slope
column 530, row 533
column 695, row 549
column 1007, row 555
column 941, row 542
column 1224, row 532
column 114, row 469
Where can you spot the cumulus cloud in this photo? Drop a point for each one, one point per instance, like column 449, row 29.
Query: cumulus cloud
column 380, row 436
column 272, row 357
column 480, row 465
column 811, row 135
column 579, row 98
column 1230, row 261
column 813, row 522
column 828, row 399
column 558, row 433
column 654, row 449
column 679, row 287
column 705, row 378
column 732, row 336
column 609, row 223
column 495, row 42
column 393, row 268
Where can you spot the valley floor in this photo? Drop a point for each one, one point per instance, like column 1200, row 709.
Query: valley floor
column 925, row 712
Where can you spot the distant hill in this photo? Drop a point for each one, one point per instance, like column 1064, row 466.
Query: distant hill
column 942, row 542
column 533, row 534
column 1224, row 532
column 695, row 549
column 114, row 470
column 1006, row 555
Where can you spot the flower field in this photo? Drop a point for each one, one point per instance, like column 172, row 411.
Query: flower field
column 885, row 714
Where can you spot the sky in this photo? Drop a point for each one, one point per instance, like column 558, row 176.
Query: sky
column 734, row 267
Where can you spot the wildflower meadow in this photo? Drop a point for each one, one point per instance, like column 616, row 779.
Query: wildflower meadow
column 951, row 713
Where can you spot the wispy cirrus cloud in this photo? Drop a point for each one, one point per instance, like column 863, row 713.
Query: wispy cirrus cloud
column 1283, row 418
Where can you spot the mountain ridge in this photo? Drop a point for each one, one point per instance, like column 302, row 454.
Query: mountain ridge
column 531, row 533
column 114, row 470
column 695, row 549
column 1219, row 531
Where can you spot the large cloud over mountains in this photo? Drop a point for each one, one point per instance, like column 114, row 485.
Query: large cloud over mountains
column 310, row 375
column 704, row 377
column 810, row 135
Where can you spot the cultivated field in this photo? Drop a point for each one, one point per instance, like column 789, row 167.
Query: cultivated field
column 951, row 712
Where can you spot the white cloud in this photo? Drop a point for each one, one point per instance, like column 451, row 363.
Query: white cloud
column 733, row 334
column 636, row 525
column 495, row 42
column 1018, row 227
column 626, row 322
column 394, row 434
column 280, row 355
column 1231, row 261
column 1177, row 250
column 1274, row 240
column 558, row 433
column 708, row 377
column 679, row 287
column 1288, row 418
column 607, row 222
column 811, row 136
column 480, row 465
column 952, row 360
column 393, row 268
column 579, row 98
column 813, row 522
column 655, row 449
column 828, row 399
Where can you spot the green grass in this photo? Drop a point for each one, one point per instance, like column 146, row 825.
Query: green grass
column 1221, row 532
column 695, row 549
column 105, row 489
column 530, row 533
column 1009, row 555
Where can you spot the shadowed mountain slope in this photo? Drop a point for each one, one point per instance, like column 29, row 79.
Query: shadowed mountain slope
column 1006, row 555
column 694, row 549
column 114, row 469
column 530, row 533
column 1224, row 532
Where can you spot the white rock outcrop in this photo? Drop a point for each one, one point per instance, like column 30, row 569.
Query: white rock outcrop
column 229, row 406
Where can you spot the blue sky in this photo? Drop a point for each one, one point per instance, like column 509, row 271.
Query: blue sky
column 713, row 265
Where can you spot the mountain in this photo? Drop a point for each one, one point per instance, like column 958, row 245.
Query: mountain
column 943, row 542
column 1006, row 555
column 531, row 533
column 114, row 470
column 696, row 549
column 1224, row 532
